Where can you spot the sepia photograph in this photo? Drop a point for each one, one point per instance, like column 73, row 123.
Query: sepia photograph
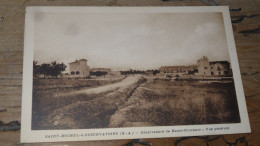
column 99, row 69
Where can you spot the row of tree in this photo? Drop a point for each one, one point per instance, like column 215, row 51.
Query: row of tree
column 98, row 73
column 132, row 72
column 128, row 72
column 55, row 69
column 52, row 69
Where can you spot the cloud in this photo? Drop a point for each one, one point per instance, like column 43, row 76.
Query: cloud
column 130, row 40
column 207, row 40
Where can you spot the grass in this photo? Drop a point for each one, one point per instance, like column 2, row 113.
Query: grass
column 80, row 111
column 153, row 102
column 44, row 90
column 167, row 102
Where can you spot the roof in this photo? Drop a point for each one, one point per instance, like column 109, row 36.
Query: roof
column 73, row 62
column 180, row 66
column 100, row 69
column 83, row 60
column 78, row 61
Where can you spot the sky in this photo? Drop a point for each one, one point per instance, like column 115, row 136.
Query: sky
column 123, row 41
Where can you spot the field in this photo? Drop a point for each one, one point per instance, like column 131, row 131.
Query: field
column 131, row 102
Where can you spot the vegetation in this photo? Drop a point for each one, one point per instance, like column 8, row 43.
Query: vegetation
column 52, row 69
column 165, row 102
column 98, row 73
column 155, row 72
column 156, row 102
column 88, row 110
column 132, row 72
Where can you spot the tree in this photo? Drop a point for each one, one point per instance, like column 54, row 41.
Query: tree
column 36, row 69
column 52, row 69
column 98, row 73
column 131, row 71
column 156, row 72
column 56, row 69
column 45, row 69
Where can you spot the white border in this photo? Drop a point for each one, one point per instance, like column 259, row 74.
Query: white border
column 28, row 135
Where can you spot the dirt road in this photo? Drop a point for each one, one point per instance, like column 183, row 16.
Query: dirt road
column 125, row 82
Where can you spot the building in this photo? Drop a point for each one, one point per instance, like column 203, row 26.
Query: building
column 115, row 73
column 203, row 66
column 79, row 68
column 100, row 70
column 206, row 67
column 178, row 69
column 219, row 68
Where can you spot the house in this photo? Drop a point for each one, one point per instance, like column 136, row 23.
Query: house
column 219, row 68
column 206, row 67
column 100, row 70
column 79, row 68
column 203, row 66
column 115, row 73
column 178, row 69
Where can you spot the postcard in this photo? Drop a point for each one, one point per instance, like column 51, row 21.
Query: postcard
column 103, row 73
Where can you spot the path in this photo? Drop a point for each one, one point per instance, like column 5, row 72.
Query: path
column 125, row 82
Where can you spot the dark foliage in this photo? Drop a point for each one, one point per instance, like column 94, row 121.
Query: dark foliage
column 129, row 72
column 156, row 72
column 52, row 69
column 98, row 73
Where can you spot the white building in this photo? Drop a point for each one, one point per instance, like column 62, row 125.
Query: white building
column 79, row 68
column 206, row 67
